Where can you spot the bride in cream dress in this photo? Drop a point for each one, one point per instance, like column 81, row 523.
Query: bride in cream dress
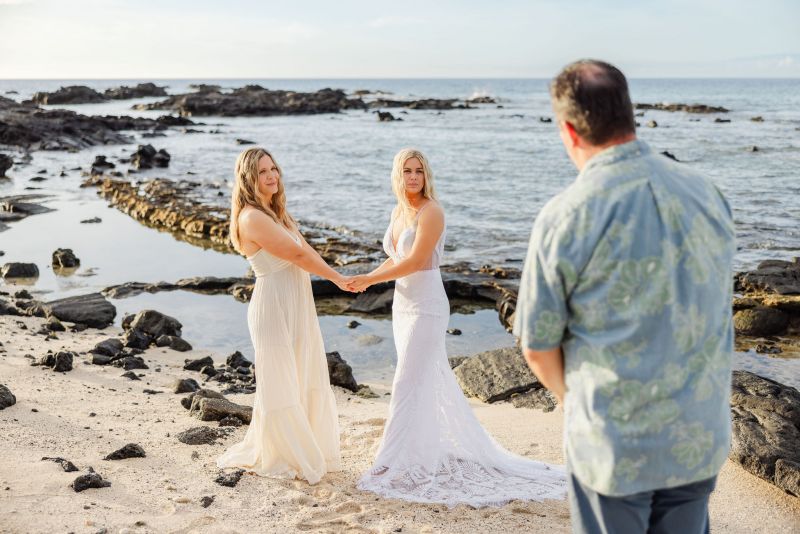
column 294, row 430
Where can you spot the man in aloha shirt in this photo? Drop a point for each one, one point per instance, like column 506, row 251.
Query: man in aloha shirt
column 624, row 312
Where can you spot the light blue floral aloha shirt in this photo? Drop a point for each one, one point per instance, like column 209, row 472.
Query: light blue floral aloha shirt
column 629, row 271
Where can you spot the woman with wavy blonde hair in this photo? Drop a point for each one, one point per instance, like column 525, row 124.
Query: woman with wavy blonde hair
column 433, row 449
column 294, row 430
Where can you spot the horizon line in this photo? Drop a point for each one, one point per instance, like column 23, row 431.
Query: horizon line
column 394, row 78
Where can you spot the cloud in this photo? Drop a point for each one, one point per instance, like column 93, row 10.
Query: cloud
column 14, row 2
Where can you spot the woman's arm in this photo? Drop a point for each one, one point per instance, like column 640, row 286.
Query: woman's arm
column 429, row 229
column 382, row 267
column 259, row 228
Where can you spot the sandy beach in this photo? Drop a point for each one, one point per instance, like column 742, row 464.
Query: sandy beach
column 86, row 413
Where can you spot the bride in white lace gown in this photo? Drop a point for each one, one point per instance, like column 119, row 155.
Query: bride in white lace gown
column 294, row 430
column 433, row 449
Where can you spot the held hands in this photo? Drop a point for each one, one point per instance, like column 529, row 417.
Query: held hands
column 342, row 282
column 353, row 284
column 358, row 284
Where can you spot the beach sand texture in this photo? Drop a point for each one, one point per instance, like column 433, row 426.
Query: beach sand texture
column 162, row 492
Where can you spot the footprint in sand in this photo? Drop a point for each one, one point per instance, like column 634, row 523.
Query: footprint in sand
column 347, row 517
column 375, row 421
column 323, row 493
column 350, row 507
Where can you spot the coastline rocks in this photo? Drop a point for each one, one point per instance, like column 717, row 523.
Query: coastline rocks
column 100, row 166
column 65, row 258
column 34, row 128
column 772, row 276
column 131, row 450
column 147, row 157
column 93, row 310
column 369, row 302
column 15, row 208
column 19, row 270
column 688, row 108
column 481, row 100
column 91, row 480
column 200, row 435
column 6, row 397
column 65, row 464
column 254, row 100
column 6, row 162
column 766, row 429
column 425, row 103
column 71, row 94
column 539, row 399
column 141, row 90
column 198, row 364
column 341, row 374
column 385, row 116
column 187, row 401
column 760, row 321
column 80, row 94
column 237, row 360
column 63, row 360
column 110, row 347
column 174, row 342
column 130, row 363
column 185, row 385
column 496, row 375
column 204, row 87
column 136, row 339
column 229, row 480
column 54, row 325
column 6, row 308
column 156, row 324
column 215, row 409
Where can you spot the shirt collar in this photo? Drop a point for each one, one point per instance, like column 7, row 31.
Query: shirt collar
column 615, row 154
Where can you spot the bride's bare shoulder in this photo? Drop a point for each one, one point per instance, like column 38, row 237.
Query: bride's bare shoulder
column 432, row 210
column 250, row 215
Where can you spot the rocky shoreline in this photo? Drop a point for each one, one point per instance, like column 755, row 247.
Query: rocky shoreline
column 29, row 127
column 80, row 94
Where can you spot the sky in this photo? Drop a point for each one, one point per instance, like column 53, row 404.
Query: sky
column 125, row 39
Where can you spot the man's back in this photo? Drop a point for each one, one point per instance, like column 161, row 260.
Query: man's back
column 633, row 280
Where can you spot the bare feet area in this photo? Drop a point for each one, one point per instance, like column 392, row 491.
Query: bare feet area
column 85, row 414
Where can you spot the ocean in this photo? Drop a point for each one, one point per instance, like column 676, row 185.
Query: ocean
column 495, row 166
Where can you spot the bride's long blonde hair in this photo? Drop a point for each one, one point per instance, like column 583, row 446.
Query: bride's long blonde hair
column 399, row 185
column 246, row 193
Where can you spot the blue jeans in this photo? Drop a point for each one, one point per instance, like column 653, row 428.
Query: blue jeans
column 681, row 510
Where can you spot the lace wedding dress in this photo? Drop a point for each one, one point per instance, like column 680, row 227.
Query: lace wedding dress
column 294, row 430
column 433, row 449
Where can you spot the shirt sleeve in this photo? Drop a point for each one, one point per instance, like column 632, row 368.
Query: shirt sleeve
column 547, row 278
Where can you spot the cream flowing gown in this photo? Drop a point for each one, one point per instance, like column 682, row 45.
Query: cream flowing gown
column 434, row 450
column 294, row 430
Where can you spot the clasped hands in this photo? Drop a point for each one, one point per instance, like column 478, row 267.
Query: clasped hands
column 353, row 284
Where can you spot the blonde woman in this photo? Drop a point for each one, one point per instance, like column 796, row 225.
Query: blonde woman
column 433, row 448
column 294, row 429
